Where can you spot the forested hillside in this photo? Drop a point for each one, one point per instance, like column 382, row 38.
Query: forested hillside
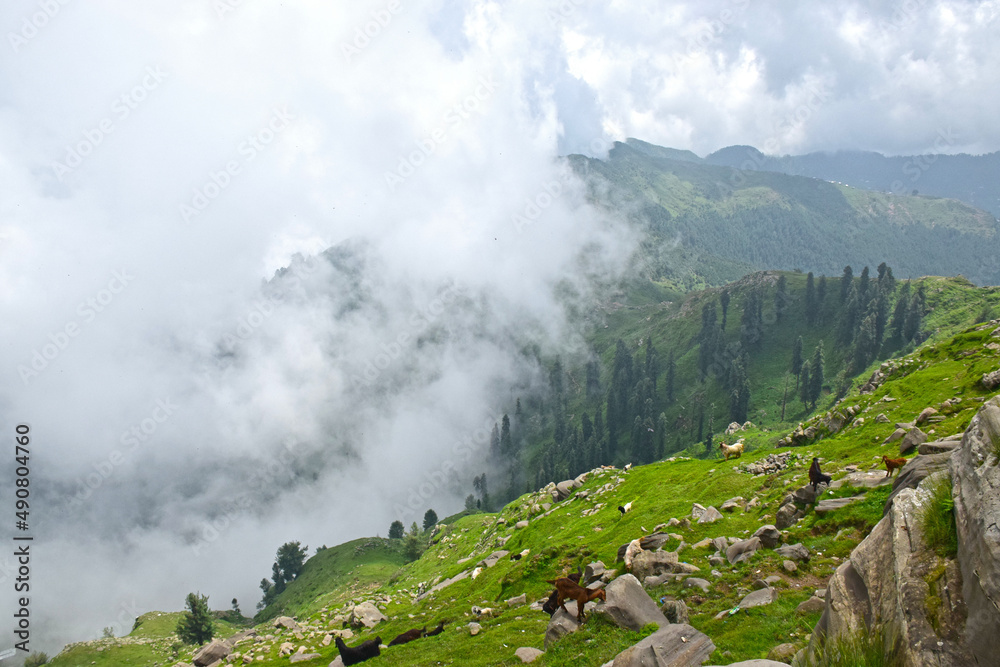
column 709, row 224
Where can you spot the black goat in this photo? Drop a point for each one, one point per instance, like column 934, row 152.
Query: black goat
column 409, row 636
column 436, row 631
column 359, row 653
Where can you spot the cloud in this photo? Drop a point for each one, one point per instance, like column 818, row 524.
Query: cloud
column 163, row 161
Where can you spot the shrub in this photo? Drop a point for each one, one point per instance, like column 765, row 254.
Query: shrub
column 864, row 648
column 196, row 626
column 36, row 659
column 938, row 519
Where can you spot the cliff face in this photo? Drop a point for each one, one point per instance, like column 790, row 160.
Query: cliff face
column 927, row 609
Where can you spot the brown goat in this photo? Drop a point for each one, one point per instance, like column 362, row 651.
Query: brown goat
column 567, row 589
column 409, row 636
column 892, row 464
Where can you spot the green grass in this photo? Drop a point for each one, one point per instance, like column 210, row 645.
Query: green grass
column 937, row 519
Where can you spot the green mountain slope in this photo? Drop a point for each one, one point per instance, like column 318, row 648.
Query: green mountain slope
column 943, row 373
column 707, row 223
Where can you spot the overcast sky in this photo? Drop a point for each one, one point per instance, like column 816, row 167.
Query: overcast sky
column 160, row 160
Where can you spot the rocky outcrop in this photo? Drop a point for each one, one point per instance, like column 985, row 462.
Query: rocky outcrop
column 913, row 437
column 769, row 465
column 654, row 563
column 366, row 614
column 769, row 536
column 914, row 472
column 214, row 651
column 928, row 609
column 743, row 550
column 561, row 624
column 976, row 479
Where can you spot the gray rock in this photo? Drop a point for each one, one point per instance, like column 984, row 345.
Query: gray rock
column 782, row 653
column 862, row 480
column 773, row 579
column 759, row 598
column 787, row 516
column 742, row 550
column 366, row 614
column 976, row 476
column 711, row 515
column 492, row 559
column 518, row 601
column 732, row 504
column 938, row 447
column 806, row 495
column 629, row 606
column 654, row 563
column 697, row 511
column 881, row 418
column 757, row 663
column 914, row 472
column 696, row 582
column 654, row 541
column 913, row 437
column 991, row 380
column 593, row 572
column 672, row 646
column 521, row 524
column 796, row 552
column 474, row 628
column 769, row 536
column 789, row 566
column 894, row 436
column 811, row 605
column 303, row 657
column 716, row 561
column 833, row 504
column 676, row 611
column 287, row 623
column 214, row 651
column 925, row 415
column 561, row 624
column 527, row 654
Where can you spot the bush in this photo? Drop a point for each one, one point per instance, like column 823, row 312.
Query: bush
column 196, row 626
column 863, row 649
column 36, row 659
column 938, row 519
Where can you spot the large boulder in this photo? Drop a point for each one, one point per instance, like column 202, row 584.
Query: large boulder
column 492, row 559
column 807, row 495
column 629, row 606
column 797, row 552
column 759, row 598
column 769, row 536
column 676, row 611
column 366, row 614
column 287, row 623
column 833, row 504
column 711, row 515
column 787, row 515
column 671, row 646
column 527, row 654
column 214, row 651
column 593, row 572
column 561, row 624
column 976, row 478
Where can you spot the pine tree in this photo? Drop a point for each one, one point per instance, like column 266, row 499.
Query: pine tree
column 412, row 545
column 495, row 442
column 708, row 338
column 816, row 375
column 430, row 519
column 812, row 304
column 849, row 317
column 588, row 427
column 864, row 287
column 652, row 362
column 899, row 312
column 290, row 559
column 914, row 317
column 751, row 322
column 739, row 392
column 820, row 299
column 864, row 345
column 846, row 281
column 804, row 384
column 724, row 301
column 396, row 529
column 195, row 626
column 593, row 379
column 671, row 372
column 780, row 298
column 507, row 447
column 797, row 360
column 660, row 435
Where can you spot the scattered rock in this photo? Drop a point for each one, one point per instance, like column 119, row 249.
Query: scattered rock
column 696, row 582
column 697, row 511
column 732, row 504
column 925, row 415
column 593, row 572
column 475, row 628
column 991, row 380
column 678, row 645
column 787, row 515
column 213, row 652
column 894, row 436
column 303, row 657
column 913, row 437
column 492, row 559
column 527, row 654
column 561, row 624
column 774, row 579
column 759, row 598
column 796, row 552
column 742, row 550
column 945, row 446
column 675, row 611
column 366, row 614
column 832, row 504
column 711, row 515
column 287, row 623
column 629, row 606
column 521, row 524
column 881, row 419
column 811, row 605
column 769, row 536
column 518, row 601
column 789, row 566
column 782, row 653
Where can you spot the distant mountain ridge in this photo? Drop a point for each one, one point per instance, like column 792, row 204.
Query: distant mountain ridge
column 707, row 224
column 973, row 179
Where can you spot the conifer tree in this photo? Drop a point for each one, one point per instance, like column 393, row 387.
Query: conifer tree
column 849, row 317
column 430, row 519
column 812, row 304
column 820, row 298
column 708, row 338
column 593, row 379
column 780, row 298
column 797, row 360
column 724, row 302
column 196, row 626
column 864, row 344
column 396, row 530
column 739, row 392
column 669, row 381
column 846, row 281
column 751, row 323
column 816, row 375
column 804, row 384
column 507, row 446
column 495, row 442
column 864, row 286
column 914, row 317
column 899, row 311
column 652, row 362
